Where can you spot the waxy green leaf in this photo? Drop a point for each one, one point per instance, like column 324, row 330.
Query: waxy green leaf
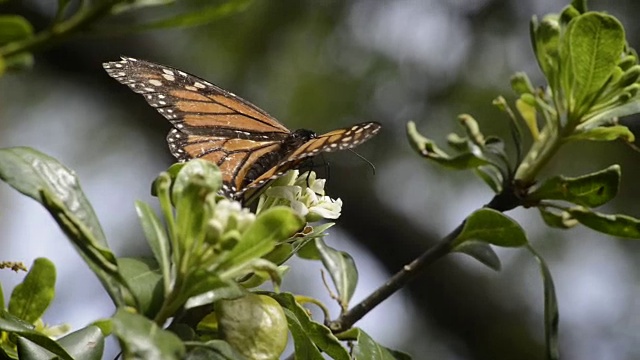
column 591, row 190
column 32, row 297
column 617, row 225
column 492, row 227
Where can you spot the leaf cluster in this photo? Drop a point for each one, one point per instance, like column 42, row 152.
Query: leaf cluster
column 207, row 250
column 592, row 79
column 18, row 39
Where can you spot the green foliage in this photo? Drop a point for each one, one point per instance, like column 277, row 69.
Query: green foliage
column 141, row 338
column 18, row 39
column 591, row 190
column 492, row 227
column 310, row 337
column 592, row 79
column 204, row 255
column 47, row 181
column 342, row 269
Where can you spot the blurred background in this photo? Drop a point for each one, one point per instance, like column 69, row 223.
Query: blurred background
column 322, row 65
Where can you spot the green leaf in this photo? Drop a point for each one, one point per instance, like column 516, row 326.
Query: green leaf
column 493, row 227
column 215, row 291
column 427, row 148
column 591, row 47
column 140, row 338
column 145, row 281
column 365, row 348
column 545, row 37
column 47, row 181
column 157, row 238
column 591, row 190
column 191, row 214
column 30, row 171
column 482, row 252
column 308, row 334
column 14, row 28
column 270, row 227
column 304, row 347
column 617, row 225
column 84, row 344
column 551, row 314
column 32, row 297
column 560, row 220
column 100, row 259
column 342, row 269
column 14, row 325
column 213, row 350
column 603, row 133
column 166, row 177
column 528, row 112
column 200, row 16
column 490, row 176
column 18, row 62
column 29, row 350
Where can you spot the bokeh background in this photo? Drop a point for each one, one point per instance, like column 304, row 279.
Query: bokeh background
column 321, row 65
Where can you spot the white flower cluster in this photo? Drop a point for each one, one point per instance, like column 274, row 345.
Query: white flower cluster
column 229, row 218
column 304, row 194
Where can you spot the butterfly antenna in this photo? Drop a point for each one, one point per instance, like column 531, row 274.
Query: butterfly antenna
column 326, row 166
column 373, row 167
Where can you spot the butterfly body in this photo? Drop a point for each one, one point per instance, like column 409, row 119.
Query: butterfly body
column 249, row 146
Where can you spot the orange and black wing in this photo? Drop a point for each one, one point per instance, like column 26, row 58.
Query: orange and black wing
column 340, row 139
column 209, row 122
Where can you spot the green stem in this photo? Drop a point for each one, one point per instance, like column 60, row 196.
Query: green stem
column 170, row 306
column 59, row 32
column 550, row 140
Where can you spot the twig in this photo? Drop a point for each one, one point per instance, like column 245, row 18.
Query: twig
column 395, row 283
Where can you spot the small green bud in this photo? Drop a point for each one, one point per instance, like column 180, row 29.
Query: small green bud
column 628, row 93
column 457, row 142
column 471, row 127
column 527, row 109
column 630, row 76
column 228, row 221
column 521, row 84
column 626, row 62
column 568, row 13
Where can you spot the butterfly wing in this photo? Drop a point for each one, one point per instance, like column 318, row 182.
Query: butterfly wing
column 340, row 139
column 209, row 122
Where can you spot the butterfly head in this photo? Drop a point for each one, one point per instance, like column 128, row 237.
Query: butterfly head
column 299, row 137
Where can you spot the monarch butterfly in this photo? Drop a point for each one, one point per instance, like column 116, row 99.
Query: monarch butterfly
column 249, row 146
